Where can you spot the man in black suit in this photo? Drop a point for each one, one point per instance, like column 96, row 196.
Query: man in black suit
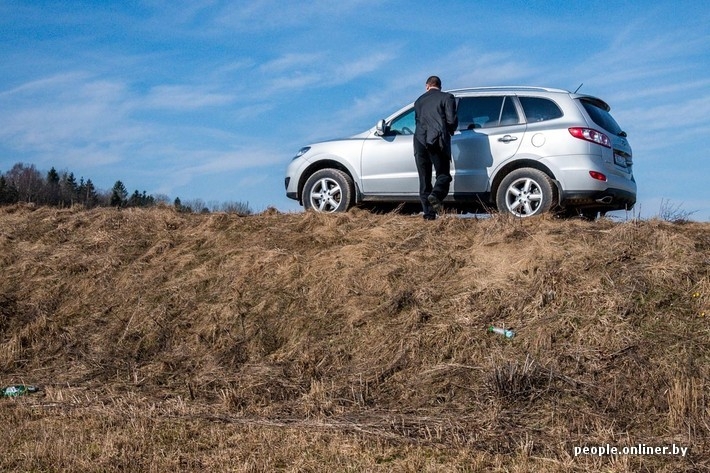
column 436, row 121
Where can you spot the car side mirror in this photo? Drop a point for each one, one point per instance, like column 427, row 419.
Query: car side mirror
column 381, row 128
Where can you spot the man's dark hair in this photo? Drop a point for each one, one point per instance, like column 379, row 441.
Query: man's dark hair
column 434, row 81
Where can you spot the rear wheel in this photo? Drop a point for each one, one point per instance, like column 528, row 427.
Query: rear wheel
column 328, row 191
column 525, row 192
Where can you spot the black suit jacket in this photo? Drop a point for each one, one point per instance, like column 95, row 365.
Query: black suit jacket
column 436, row 118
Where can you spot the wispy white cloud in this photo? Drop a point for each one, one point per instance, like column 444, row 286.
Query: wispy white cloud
column 180, row 11
column 470, row 68
column 291, row 62
column 200, row 166
column 185, row 97
column 682, row 114
column 686, row 86
column 242, row 158
column 85, row 121
column 310, row 70
column 270, row 14
column 357, row 67
column 634, row 60
column 287, row 83
column 57, row 112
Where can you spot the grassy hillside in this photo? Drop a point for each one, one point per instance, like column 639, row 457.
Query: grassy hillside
column 354, row 342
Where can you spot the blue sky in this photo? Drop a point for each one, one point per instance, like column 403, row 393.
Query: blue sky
column 208, row 99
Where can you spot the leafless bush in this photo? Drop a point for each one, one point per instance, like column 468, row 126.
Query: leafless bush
column 513, row 381
column 674, row 213
column 239, row 208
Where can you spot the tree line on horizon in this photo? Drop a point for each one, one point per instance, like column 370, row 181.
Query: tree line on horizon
column 24, row 183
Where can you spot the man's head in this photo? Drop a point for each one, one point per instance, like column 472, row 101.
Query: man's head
column 433, row 82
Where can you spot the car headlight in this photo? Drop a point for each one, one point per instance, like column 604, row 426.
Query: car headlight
column 302, row 151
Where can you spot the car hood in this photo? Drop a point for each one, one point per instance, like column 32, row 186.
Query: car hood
column 340, row 149
column 358, row 136
column 339, row 146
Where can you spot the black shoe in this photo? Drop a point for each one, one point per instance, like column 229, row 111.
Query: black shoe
column 435, row 203
column 429, row 217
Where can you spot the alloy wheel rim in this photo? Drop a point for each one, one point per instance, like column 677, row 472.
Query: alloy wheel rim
column 523, row 197
column 326, row 195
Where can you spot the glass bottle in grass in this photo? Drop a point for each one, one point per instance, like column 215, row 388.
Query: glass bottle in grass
column 17, row 390
column 507, row 333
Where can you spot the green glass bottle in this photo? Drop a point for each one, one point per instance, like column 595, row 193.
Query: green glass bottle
column 18, row 390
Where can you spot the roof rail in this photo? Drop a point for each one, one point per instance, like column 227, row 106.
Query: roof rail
column 508, row 88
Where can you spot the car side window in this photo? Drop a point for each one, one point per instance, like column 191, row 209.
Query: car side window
column 486, row 112
column 538, row 109
column 403, row 124
column 509, row 114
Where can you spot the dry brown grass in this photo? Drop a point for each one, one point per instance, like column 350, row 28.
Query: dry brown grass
column 352, row 342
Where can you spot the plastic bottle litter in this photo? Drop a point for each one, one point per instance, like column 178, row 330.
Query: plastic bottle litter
column 507, row 333
column 17, row 390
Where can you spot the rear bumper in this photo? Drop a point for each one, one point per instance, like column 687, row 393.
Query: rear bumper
column 609, row 199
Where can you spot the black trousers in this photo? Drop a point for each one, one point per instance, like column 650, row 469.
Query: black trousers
column 425, row 157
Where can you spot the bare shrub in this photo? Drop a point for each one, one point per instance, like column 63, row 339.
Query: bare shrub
column 674, row 213
column 239, row 208
column 514, row 381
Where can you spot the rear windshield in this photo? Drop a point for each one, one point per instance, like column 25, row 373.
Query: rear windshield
column 601, row 117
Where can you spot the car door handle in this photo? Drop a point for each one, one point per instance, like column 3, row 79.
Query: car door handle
column 507, row 138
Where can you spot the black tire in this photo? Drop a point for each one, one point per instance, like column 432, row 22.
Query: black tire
column 328, row 191
column 526, row 192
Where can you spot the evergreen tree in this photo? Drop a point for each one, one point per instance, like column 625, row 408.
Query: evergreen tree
column 52, row 189
column 147, row 200
column 69, row 189
column 91, row 196
column 135, row 200
column 81, row 189
column 87, row 193
column 141, row 200
column 119, row 195
column 8, row 193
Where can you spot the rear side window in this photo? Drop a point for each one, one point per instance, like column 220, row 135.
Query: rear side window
column 601, row 117
column 538, row 109
column 486, row 112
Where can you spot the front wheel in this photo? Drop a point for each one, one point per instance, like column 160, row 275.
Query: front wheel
column 525, row 192
column 328, row 191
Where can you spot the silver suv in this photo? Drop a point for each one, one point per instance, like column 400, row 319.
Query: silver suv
column 522, row 150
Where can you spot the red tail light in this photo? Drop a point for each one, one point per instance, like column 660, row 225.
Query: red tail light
column 597, row 175
column 591, row 135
